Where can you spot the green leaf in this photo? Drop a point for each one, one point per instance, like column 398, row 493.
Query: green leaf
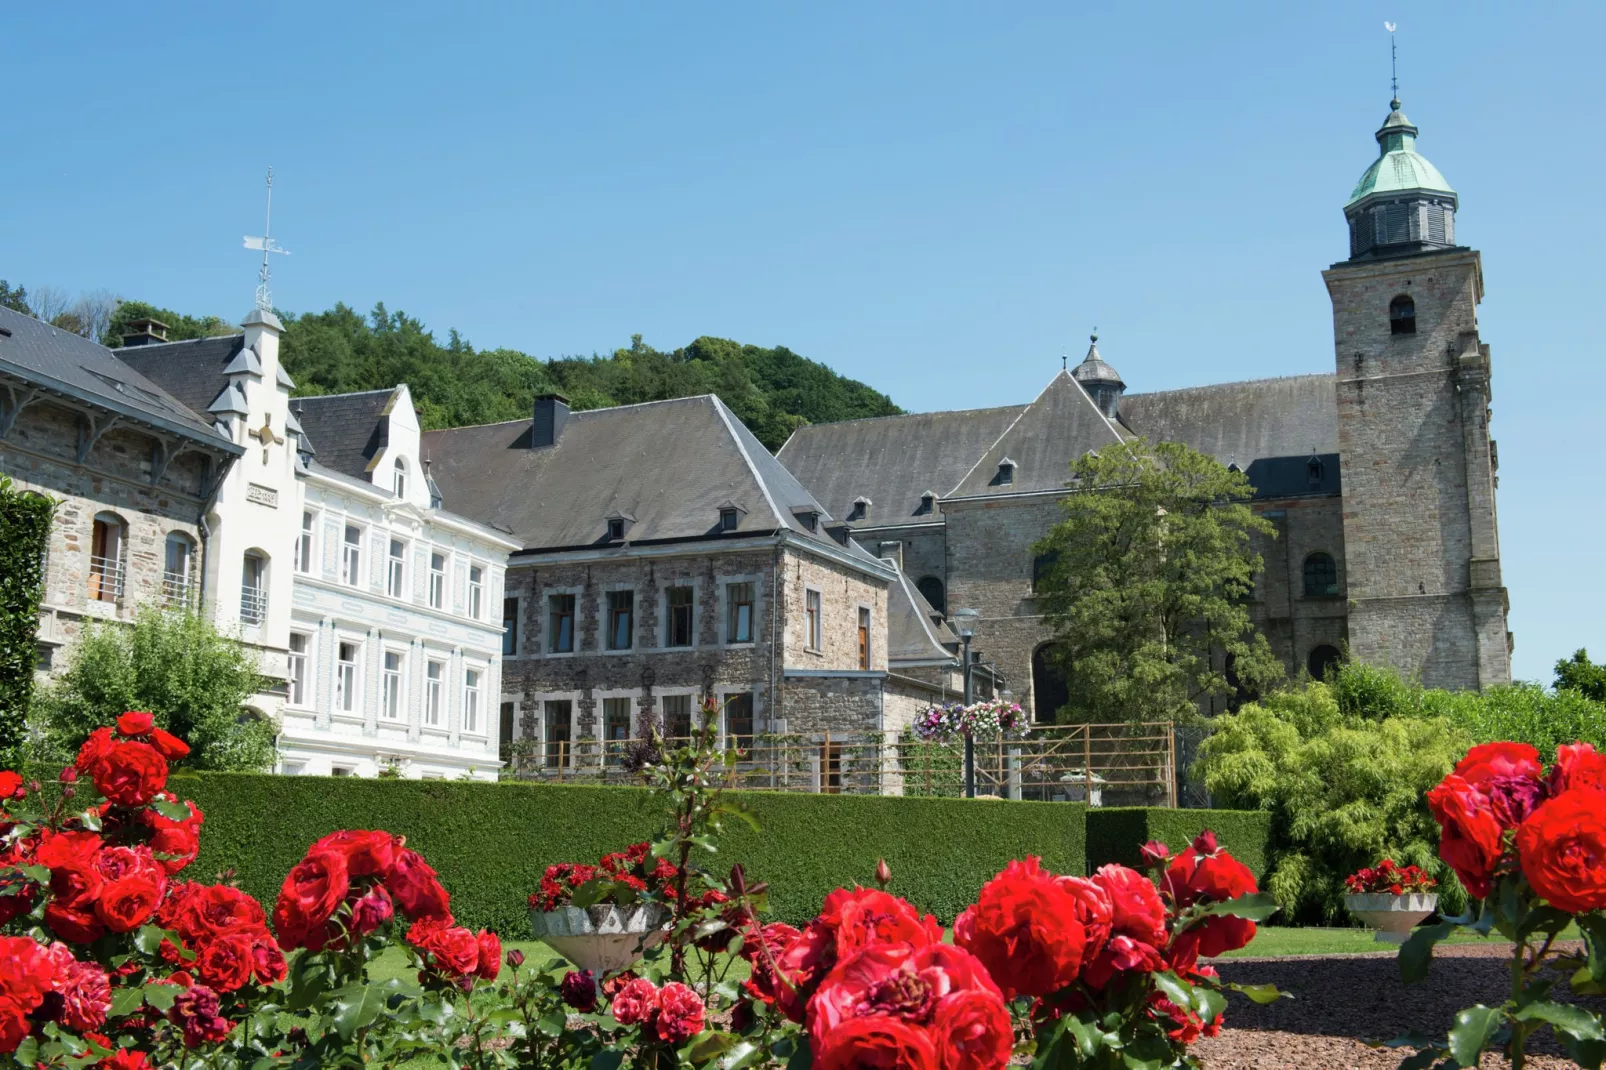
column 1543, row 920
column 1208, row 1002
column 173, row 811
column 27, row 1053
column 1175, row 988
column 1566, row 1018
column 1585, row 985
column 1588, row 1054
column 149, row 939
column 607, row 1060
column 802, row 1059
column 1472, row 1031
column 552, row 1024
column 1087, row 1035
column 1262, row 994
column 126, row 1001
column 358, row 1006
column 1416, row 954
column 161, row 996
column 1594, row 929
column 742, row 1054
column 705, row 1046
column 737, row 810
column 37, row 874
column 1256, row 906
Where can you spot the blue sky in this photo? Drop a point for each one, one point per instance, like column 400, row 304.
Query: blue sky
column 934, row 198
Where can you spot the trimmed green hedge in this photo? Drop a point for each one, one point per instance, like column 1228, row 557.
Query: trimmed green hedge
column 25, row 520
column 491, row 842
column 1115, row 834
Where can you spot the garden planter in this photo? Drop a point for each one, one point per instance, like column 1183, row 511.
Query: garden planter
column 605, row 938
column 1393, row 916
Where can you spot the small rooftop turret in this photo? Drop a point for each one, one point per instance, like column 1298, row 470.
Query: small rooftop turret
column 1102, row 382
column 1402, row 204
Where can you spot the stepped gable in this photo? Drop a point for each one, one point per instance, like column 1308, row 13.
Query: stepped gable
column 669, row 467
column 348, row 431
column 1062, row 424
column 891, row 460
column 1242, row 422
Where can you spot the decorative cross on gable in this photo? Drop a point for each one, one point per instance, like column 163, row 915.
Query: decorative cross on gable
column 265, row 435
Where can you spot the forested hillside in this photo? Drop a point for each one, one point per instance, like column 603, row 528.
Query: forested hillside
column 772, row 390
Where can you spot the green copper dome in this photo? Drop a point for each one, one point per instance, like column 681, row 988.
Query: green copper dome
column 1399, row 166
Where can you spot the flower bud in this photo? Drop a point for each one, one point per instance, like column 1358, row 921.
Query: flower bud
column 68, row 792
column 69, row 774
column 515, row 958
column 883, row 873
column 1205, row 843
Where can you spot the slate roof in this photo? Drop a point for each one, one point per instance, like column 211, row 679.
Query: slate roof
column 892, row 460
column 1292, row 416
column 1061, row 425
column 191, row 371
column 347, row 430
column 916, row 632
column 670, row 465
column 76, row 367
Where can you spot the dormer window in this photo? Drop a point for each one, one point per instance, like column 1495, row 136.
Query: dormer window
column 928, row 503
column 1315, row 469
column 1402, row 315
column 730, row 516
column 809, row 518
column 399, row 479
column 1006, row 472
column 861, row 508
column 618, row 525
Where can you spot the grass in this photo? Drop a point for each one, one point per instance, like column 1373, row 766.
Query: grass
column 1275, row 941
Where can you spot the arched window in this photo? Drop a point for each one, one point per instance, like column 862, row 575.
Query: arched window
column 106, row 557
column 1321, row 576
column 254, row 587
column 1402, row 315
column 399, row 480
column 1322, row 660
column 180, row 555
column 1049, row 693
column 930, row 587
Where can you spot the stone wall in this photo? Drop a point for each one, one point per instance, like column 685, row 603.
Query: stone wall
column 1293, row 621
column 843, row 593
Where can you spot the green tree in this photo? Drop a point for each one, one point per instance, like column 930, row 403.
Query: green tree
column 14, row 298
column 180, row 328
column 1581, row 675
column 1146, row 583
column 177, row 666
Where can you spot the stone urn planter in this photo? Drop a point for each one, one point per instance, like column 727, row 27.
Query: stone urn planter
column 605, row 938
column 1392, row 916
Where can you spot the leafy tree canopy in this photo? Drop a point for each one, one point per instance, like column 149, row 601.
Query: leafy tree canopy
column 14, row 298
column 1582, row 676
column 1146, row 582
column 177, row 666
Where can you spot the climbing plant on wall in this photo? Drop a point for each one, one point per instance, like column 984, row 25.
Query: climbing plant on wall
column 25, row 520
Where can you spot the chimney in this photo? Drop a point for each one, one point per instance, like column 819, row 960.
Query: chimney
column 892, row 552
column 551, row 413
column 145, row 332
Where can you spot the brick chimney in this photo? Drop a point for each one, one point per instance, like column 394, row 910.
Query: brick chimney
column 145, row 332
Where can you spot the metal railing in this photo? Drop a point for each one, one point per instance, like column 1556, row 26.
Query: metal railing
column 176, row 590
column 253, row 604
column 1101, row 764
column 105, row 579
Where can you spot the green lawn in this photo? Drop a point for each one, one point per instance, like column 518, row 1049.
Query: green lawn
column 1273, row 941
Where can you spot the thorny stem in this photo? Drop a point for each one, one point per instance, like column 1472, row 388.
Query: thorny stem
column 1519, row 1030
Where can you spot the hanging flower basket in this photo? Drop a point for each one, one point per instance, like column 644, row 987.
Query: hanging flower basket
column 989, row 717
column 605, row 938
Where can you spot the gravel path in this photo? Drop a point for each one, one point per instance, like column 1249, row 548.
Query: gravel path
column 1341, row 1001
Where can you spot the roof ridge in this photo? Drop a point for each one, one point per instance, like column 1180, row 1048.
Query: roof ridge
column 572, row 412
column 178, row 342
column 910, row 415
column 349, row 393
column 1234, row 383
column 726, row 416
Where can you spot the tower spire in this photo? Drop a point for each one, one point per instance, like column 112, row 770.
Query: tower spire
column 268, row 246
column 1394, row 68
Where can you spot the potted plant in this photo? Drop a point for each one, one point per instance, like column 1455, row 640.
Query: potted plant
column 603, row 917
column 1391, row 899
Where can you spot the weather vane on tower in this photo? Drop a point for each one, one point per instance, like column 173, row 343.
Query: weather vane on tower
column 267, row 245
column 1394, row 63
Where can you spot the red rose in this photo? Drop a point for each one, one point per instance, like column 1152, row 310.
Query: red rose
column 1215, row 935
column 201, row 910
column 635, row 1002
column 131, row 773
column 368, row 854
column 371, row 911
column 177, row 845
column 76, row 925
column 226, row 962
column 1487, row 761
column 126, row 904
column 1136, row 908
column 135, row 723
column 898, row 981
column 195, row 1011
column 1578, row 765
column 1122, row 954
column 490, row 963
column 67, row 850
column 1562, row 848
column 579, row 989
column 877, row 1044
column 867, row 916
column 1206, row 875
column 267, row 959
column 416, row 888
column 27, row 973
column 124, row 1059
column 761, row 948
column 1469, row 839
column 1093, row 910
column 169, row 746
column 92, row 755
column 311, row 892
column 802, row 965
column 1024, row 928
column 10, row 785
column 85, row 991
column 449, row 948
column 973, row 1032
column 680, row 1013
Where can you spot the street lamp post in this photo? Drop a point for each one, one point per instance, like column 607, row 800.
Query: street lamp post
column 965, row 621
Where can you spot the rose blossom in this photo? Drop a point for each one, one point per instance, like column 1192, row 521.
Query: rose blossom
column 416, row 888
column 1578, row 765
column 1136, row 908
column 371, row 911
column 898, row 981
column 195, row 1011
column 635, row 1002
column 579, row 990
column 490, row 962
column 130, row 773
column 973, row 1031
column 226, row 962
column 449, row 948
column 1469, row 838
column 1023, row 926
column 135, row 723
column 1487, row 761
column 311, row 892
column 1562, row 848
column 877, row 1044
column 680, row 1013
column 368, row 854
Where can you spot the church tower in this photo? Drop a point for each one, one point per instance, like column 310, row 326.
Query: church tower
column 1421, row 542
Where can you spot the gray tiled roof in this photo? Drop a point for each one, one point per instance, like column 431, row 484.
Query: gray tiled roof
column 1243, row 422
column 346, row 430
column 77, row 367
column 1061, row 425
column 915, row 631
column 668, row 464
column 892, row 460
column 191, row 371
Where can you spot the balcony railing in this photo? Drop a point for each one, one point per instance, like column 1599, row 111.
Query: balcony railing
column 253, row 604
column 176, row 590
column 105, row 579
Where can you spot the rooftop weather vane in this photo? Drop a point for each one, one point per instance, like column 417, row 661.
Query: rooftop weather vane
column 1394, row 62
column 267, row 245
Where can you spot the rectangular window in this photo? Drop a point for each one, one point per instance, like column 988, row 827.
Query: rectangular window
column 309, row 521
column 677, row 718
column 299, row 643
column 739, row 720
column 560, row 631
column 504, row 730
column 437, row 581
column 471, row 701
column 811, row 615
column 678, row 608
column 739, row 613
column 391, row 704
column 396, row 569
column 347, row 700
column 434, row 694
column 176, row 571
column 476, row 588
column 510, row 627
column 556, row 741
column 616, row 718
column 253, row 589
column 864, row 638
column 621, row 619
column 351, row 557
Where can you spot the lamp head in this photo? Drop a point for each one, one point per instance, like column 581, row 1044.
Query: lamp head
column 965, row 622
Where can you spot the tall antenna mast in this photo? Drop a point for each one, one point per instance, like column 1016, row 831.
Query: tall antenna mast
column 268, row 246
column 1394, row 63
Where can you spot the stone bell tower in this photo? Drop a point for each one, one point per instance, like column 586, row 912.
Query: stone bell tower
column 1421, row 542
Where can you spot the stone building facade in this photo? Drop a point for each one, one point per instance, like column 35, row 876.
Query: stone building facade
column 1378, row 477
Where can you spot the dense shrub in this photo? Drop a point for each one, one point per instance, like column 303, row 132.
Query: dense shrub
column 1115, row 834
column 491, row 842
column 24, row 530
column 1343, row 789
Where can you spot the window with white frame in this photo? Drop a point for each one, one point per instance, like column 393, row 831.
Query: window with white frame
column 390, row 706
column 396, row 569
column 471, row 700
column 476, row 590
column 437, row 581
column 309, row 523
column 348, row 699
column 435, row 694
column 811, row 616
column 738, row 613
column 351, row 557
column 300, row 648
column 399, row 479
